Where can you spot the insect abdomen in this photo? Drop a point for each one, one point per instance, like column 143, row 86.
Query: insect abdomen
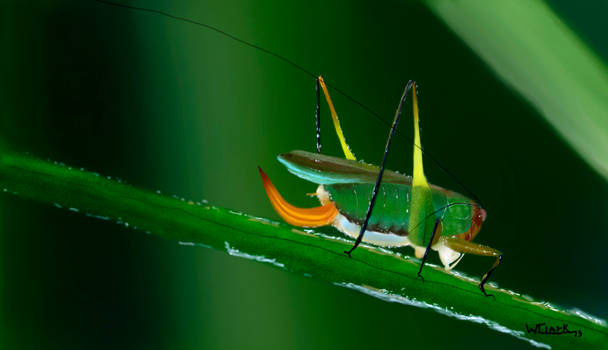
column 391, row 212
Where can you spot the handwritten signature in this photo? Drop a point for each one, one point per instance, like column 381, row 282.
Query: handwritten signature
column 543, row 328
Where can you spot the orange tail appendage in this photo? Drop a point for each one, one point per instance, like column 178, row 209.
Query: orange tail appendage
column 303, row 217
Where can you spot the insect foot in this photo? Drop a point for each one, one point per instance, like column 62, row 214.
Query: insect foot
column 419, row 275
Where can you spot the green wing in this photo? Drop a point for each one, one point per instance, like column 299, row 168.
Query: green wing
column 327, row 170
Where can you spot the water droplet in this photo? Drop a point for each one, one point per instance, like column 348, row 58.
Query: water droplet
column 106, row 218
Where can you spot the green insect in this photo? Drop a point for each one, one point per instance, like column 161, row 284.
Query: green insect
column 383, row 207
column 412, row 212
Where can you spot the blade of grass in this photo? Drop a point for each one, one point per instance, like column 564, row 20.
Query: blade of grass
column 377, row 272
column 534, row 52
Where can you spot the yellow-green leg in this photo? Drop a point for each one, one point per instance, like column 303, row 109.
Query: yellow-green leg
column 334, row 116
column 467, row 247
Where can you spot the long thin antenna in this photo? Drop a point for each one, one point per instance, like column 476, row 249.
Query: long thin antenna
column 318, row 115
column 300, row 68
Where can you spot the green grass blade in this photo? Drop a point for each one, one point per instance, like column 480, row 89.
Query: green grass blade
column 379, row 273
column 534, row 52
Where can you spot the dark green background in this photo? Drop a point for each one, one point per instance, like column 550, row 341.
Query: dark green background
column 167, row 105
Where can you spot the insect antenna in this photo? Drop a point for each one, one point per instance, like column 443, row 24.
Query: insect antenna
column 303, row 70
column 318, row 115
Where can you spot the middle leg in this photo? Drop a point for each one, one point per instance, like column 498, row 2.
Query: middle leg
column 372, row 201
column 434, row 238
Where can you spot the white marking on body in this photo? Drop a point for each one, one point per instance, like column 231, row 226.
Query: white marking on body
column 377, row 238
column 384, row 196
column 449, row 258
column 323, row 195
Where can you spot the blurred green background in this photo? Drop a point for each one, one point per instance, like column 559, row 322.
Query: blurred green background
column 170, row 106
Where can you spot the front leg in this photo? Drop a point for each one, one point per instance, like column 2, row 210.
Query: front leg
column 463, row 246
